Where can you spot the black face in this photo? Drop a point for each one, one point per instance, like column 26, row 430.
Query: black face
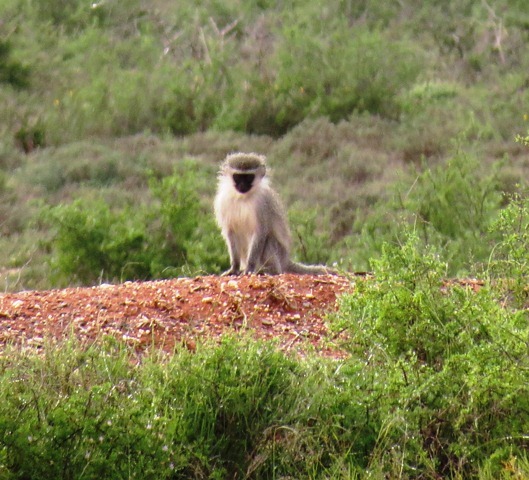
column 243, row 181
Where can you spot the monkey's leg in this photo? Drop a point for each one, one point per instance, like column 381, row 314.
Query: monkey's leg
column 271, row 259
column 255, row 256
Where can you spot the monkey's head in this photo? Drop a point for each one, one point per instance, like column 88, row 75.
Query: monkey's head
column 246, row 170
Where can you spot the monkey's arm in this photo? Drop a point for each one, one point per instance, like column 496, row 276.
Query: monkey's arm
column 235, row 259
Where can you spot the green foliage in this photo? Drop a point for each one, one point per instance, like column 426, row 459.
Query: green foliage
column 509, row 259
column 157, row 240
column 12, row 72
column 93, row 243
column 30, row 137
column 450, row 207
column 188, row 235
column 347, row 71
column 124, row 70
column 313, row 243
column 82, row 164
column 75, row 15
column 523, row 139
column 447, row 367
column 240, row 409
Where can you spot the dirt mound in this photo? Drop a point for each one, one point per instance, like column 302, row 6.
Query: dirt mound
column 181, row 311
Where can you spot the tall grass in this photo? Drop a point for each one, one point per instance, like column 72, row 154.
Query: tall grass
column 237, row 410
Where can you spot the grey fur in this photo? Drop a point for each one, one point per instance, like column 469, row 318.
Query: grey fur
column 254, row 223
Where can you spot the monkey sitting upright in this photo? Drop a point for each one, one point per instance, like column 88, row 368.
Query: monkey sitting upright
column 253, row 221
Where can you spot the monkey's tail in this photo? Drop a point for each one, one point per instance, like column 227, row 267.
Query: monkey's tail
column 301, row 269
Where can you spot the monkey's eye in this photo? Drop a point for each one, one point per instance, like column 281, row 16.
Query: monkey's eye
column 243, row 181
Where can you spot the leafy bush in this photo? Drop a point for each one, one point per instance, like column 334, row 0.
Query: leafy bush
column 447, row 367
column 94, row 243
column 349, row 70
column 12, row 71
column 451, row 207
column 240, row 409
column 509, row 259
column 157, row 240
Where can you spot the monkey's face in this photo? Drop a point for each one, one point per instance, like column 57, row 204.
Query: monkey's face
column 243, row 181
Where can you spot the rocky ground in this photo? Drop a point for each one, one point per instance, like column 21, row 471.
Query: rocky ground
column 179, row 312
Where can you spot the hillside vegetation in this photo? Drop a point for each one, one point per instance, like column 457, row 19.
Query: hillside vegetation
column 114, row 116
column 398, row 137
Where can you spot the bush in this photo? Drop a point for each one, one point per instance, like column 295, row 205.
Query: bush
column 12, row 72
column 237, row 410
column 447, row 367
column 349, row 70
column 94, row 243
column 169, row 236
column 451, row 207
column 509, row 259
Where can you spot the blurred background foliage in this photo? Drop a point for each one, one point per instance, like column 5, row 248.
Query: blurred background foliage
column 114, row 116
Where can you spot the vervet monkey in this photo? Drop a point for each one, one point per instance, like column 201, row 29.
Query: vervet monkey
column 253, row 221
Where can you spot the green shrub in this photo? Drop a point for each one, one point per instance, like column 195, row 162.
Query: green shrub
column 12, row 72
column 447, row 367
column 166, row 237
column 345, row 71
column 184, row 229
column 94, row 243
column 239, row 409
column 509, row 259
column 450, row 206
column 192, row 100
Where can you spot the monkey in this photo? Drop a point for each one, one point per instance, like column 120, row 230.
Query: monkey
column 253, row 220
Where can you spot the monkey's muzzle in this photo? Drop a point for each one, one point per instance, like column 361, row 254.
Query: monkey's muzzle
column 243, row 181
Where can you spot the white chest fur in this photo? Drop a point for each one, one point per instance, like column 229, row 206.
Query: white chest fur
column 241, row 216
column 236, row 215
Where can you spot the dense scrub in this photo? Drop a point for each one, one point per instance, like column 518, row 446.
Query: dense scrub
column 390, row 114
column 238, row 410
column 390, row 127
column 444, row 366
column 435, row 385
